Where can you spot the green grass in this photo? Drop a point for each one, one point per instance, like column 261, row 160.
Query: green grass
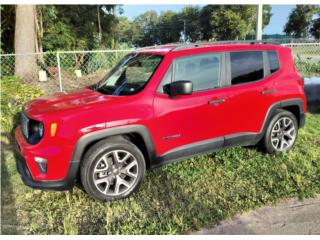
column 177, row 198
column 307, row 69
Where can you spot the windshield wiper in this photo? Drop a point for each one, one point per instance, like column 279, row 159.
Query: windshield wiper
column 118, row 90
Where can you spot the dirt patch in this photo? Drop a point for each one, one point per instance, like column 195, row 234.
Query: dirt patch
column 288, row 217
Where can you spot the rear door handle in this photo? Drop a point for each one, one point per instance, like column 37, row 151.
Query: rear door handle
column 217, row 101
column 268, row 91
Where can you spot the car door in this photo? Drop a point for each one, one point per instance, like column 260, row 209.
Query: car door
column 250, row 94
column 182, row 122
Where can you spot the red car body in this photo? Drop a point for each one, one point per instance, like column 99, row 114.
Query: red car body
column 165, row 125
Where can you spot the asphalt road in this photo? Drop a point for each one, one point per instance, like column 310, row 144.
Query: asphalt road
column 288, row 217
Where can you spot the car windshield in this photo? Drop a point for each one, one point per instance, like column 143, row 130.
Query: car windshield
column 130, row 75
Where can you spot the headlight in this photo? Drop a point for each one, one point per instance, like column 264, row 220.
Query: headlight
column 41, row 129
column 33, row 130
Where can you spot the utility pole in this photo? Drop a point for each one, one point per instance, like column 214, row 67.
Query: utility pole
column 259, row 22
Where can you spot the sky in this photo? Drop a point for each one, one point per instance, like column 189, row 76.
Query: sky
column 278, row 20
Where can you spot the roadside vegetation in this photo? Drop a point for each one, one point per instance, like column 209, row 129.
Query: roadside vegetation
column 306, row 68
column 177, row 198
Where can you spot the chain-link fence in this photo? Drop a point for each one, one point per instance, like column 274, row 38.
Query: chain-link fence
column 309, row 52
column 307, row 58
column 67, row 70
column 60, row 71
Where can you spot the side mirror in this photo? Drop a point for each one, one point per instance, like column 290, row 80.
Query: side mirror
column 183, row 87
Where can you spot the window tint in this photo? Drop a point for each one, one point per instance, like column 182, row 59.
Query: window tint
column 273, row 61
column 203, row 70
column 246, row 66
column 166, row 79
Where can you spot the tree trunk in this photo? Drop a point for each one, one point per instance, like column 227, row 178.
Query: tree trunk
column 39, row 29
column 99, row 25
column 25, row 42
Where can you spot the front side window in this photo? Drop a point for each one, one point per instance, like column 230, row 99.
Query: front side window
column 166, row 79
column 130, row 75
column 246, row 66
column 204, row 71
column 273, row 61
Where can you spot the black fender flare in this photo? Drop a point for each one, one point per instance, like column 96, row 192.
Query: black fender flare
column 85, row 140
column 278, row 105
column 89, row 138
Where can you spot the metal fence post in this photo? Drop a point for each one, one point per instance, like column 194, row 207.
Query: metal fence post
column 59, row 72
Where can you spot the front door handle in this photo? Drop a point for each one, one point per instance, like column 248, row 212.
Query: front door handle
column 268, row 91
column 217, row 101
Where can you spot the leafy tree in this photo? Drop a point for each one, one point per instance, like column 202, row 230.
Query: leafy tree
column 124, row 31
column 266, row 11
column 205, row 21
column 299, row 21
column 229, row 22
column 64, row 27
column 190, row 17
column 315, row 27
column 144, row 29
column 169, row 27
column 232, row 21
column 7, row 28
column 90, row 26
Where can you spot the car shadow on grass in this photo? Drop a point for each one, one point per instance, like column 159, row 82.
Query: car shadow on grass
column 313, row 107
column 9, row 222
column 161, row 196
column 182, row 205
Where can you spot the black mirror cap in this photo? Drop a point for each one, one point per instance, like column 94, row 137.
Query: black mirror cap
column 183, row 87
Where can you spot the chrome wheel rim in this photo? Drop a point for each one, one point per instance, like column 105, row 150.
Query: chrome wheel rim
column 283, row 134
column 115, row 172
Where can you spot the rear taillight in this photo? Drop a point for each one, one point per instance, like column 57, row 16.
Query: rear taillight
column 301, row 81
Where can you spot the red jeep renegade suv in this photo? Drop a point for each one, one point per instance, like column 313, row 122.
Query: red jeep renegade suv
column 159, row 105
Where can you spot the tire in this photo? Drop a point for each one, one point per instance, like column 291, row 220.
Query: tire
column 112, row 169
column 277, row 138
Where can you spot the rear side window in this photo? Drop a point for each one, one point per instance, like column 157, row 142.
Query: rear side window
column 204, row 71
column 246, row 66
column 273, row 61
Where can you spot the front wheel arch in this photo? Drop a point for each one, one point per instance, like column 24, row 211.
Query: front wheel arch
column 138, row 133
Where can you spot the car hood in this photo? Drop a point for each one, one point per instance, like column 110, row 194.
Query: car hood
column 60, row 102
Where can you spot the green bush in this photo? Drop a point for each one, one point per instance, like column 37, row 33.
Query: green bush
column 307, row 69
column 14, row 94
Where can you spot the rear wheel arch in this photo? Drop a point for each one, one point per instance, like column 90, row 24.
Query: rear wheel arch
column 281, row 132
column 295, row 106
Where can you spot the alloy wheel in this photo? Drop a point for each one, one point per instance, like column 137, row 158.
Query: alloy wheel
column 283, row 134
column 115, row 172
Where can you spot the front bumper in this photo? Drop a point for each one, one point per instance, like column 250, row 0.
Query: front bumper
column 21, row 152
column 26, row 177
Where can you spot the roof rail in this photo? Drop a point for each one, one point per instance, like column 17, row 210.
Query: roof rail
column 204, row 44
column 160, row 45
column 180, row 46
